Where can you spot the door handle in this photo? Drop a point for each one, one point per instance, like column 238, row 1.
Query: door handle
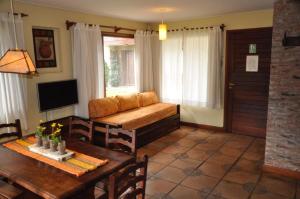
column 231, row 85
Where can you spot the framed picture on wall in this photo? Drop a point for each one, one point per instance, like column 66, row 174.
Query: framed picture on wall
column 45, row 44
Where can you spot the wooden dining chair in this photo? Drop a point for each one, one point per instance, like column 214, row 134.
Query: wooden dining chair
column 17, row 130
column 123, row 184
column 81, row 129
column 8, row 191
column 118, row 139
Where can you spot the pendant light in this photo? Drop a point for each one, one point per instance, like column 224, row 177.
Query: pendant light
column 162, row 30
column 16, row 60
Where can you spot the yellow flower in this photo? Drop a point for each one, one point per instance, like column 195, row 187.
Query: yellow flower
column 53, row 125
column 56, row 133
column 60, row 125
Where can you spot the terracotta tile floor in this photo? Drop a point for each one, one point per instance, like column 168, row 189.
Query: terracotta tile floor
column 194, row 164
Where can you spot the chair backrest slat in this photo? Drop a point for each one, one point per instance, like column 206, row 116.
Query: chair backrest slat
column 129, row 182
column 7, row 125
column 16, row 133
column 81, row 132
column 116, row 131
column 12, row 134
column 121, row 140
column 80, row 122
column 82, row 128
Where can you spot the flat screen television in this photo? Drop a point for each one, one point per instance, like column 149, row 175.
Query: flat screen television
column 53, row 95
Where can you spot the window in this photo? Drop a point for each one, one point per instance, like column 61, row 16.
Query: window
column 119, row 65
column 184, row 71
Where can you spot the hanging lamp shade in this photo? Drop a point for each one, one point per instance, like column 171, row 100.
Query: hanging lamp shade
column 17, row 61
column 162, row 30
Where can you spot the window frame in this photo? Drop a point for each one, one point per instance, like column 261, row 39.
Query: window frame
column 112, row 34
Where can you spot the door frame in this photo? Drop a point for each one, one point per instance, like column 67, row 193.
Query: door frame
column 227, row 115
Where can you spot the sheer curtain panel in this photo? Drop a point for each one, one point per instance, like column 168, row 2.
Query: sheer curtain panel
column 172, row 68
column 143, row 60
column 156, row 63
column 13, row 95
column 88, row 65
column 215, row 68
column 194, row 76
column 192, row 68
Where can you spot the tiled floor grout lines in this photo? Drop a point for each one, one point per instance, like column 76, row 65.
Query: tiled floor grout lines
column 230, row 166
column 216, row 151
column 194, row 164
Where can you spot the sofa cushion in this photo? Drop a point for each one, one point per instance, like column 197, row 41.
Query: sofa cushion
column 148, row 98
column 136, row 118
column 127, row 102
column 103, row 107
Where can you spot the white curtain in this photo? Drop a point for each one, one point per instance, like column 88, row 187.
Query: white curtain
column 13, row 96
column 143, row 60
column 156, row 63
column 194, row 77
column 172, row 66
column 215, row 69
column 88, row 65
column 192, row 68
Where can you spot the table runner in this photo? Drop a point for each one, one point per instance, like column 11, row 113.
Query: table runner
column 77, row 165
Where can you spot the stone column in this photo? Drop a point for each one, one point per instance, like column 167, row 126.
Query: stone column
column 283, row 128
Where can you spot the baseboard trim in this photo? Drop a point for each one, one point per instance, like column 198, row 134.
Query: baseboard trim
column 281, row 171
column 202, row 126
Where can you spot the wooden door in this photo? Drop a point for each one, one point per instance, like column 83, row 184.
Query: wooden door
column 246, row 93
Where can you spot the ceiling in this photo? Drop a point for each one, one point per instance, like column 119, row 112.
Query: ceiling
column 154, row 10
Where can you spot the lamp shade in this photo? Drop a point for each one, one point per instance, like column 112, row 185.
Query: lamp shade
column 17, row 61
column 162, row 29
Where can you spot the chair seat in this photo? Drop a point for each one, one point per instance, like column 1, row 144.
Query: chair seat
column 8, row 191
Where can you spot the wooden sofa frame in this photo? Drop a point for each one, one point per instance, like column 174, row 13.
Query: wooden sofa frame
column 145, row 134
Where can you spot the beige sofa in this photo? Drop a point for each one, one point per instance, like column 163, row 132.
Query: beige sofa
column 138, row 112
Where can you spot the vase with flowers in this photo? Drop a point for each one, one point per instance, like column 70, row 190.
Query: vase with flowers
column 39, row 132
column 45, row 140
column 55, row 136
column 61, row 147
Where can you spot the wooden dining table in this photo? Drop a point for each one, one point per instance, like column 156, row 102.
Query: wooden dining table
column 49, row 182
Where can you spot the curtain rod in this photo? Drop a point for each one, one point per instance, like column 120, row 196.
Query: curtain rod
column 116, row 28
column 222, row 26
